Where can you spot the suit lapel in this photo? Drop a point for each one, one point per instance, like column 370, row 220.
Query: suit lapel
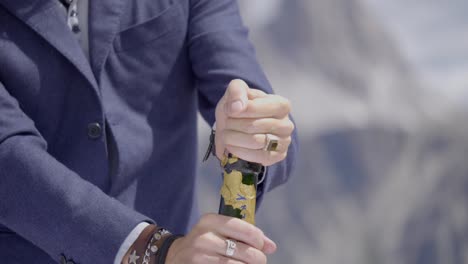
column 104, row 23
column 47, row 18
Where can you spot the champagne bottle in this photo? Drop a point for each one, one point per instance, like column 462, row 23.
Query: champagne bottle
column 239, row 190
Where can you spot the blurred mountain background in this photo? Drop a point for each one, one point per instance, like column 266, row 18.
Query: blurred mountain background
column 379, row 91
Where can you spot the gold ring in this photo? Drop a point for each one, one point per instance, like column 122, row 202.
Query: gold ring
column 271, row 144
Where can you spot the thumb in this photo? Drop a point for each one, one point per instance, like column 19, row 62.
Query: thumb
column 236, row 97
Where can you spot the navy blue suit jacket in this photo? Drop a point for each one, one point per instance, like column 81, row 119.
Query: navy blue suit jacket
column 153, row 65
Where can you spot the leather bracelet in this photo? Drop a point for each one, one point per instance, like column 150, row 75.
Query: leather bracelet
column 155, row 244
column 136, row 251
column 146, row 249
column 162, row 254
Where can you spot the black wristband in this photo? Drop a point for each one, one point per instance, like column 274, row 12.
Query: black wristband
column 161, row 257
column 211, row 150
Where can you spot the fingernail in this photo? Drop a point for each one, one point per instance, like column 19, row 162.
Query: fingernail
column 269, row 249
column 236, row 106
column 270, row 246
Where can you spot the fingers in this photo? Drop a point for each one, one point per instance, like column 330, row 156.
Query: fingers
column 269, row 246
column 253, row 141
column 255, row 93
column 239, row 96
column 242, row 231
column 243, row 115
column 231, row 227
column 206, row 243
column 220, row 260
column 236, row 229
column 239, row 139
column 236, row 97
column 249, row 234
column 248, row 254
column 279, row 127
column 266, row 158
column 250, row 134
column 243, row 252
column 273, row 106
column 214, row 248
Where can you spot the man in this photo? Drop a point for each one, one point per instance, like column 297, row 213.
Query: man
column 98, row 140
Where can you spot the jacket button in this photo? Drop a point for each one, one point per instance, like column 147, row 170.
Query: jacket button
column 94, row 130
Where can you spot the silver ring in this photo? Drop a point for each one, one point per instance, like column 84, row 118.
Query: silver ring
column 271, row 144
column 230, row 247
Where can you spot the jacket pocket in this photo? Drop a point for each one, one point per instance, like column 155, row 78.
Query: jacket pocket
column 166, row 22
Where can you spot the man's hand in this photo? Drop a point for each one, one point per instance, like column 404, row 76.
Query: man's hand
column 206, row 243
column 245, row 116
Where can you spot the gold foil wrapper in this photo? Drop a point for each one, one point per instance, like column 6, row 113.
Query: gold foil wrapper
column 242, row 197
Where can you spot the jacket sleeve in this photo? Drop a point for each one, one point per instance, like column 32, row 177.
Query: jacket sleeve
column 220, row 51
column 48, row 204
